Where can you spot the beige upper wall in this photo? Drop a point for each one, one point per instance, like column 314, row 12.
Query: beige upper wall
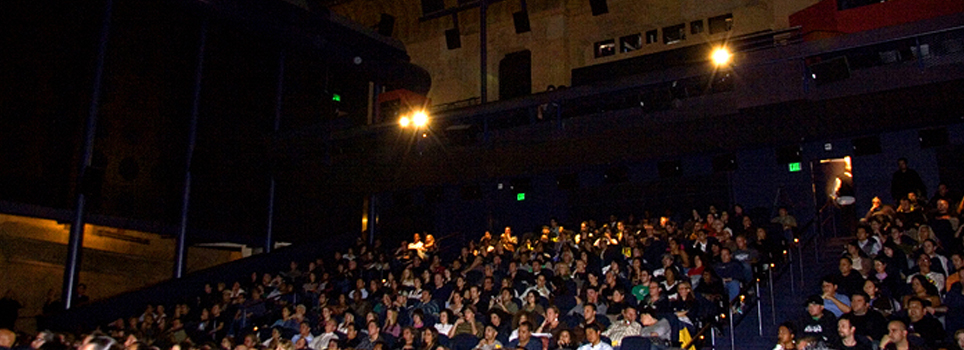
column 562, row 36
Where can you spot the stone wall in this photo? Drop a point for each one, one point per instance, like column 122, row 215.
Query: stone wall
column 562, row 36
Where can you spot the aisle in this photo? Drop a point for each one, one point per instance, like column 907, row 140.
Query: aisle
column 789, row 301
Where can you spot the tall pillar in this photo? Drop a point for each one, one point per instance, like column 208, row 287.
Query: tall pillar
column 279, row 93
column 484, row 48
column 180, row 253
column 76, row 238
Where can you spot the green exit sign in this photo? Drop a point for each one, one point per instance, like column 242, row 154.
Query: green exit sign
column 336, row 97
column 795, row 167
column 520, row 197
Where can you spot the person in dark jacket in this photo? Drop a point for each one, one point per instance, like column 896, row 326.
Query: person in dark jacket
column 818, row 323
column 923, row 324
column 731, row 272
column 906, row 180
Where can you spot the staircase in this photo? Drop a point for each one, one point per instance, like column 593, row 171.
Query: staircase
column 789, row 293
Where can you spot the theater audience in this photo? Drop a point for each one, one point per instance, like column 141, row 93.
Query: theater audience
column 635, row 277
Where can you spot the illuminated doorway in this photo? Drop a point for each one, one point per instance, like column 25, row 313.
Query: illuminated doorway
column 834, row 196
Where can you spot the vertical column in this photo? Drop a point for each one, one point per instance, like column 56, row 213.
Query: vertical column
column 180, row 253
column 76, row 238
column 279, row 96
column 483, row 55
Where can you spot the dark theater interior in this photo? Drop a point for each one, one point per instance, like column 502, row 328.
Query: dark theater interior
column 481, row 174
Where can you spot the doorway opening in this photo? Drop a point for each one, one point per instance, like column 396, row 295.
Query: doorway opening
column 834, row 196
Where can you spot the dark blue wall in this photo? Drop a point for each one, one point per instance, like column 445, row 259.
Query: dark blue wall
column 754, row 184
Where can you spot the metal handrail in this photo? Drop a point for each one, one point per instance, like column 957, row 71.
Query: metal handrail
column 775, row 271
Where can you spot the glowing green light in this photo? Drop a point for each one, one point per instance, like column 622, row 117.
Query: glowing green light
column 520, row 197
column 795, row 167
column 336, row 97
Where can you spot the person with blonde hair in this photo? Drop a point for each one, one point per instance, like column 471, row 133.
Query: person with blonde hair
column 285, row 344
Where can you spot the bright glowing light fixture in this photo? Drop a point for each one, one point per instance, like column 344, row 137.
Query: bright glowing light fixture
column 721, row 56
column 420, row 119
column 404, row 122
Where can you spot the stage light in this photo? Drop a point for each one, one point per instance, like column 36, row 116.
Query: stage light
column 721, row 56
column 404, row 122
column 419, row 119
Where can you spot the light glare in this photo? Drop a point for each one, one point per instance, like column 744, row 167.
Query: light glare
column 721, row 56
column 420, row 119
column 404, row 122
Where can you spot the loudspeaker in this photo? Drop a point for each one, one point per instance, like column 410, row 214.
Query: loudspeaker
column 724, row 162
column 866, row 146
column 567, row 181
column 670, row 168
column 429, row 6
column 470, row 192
column 616, row 175
column 386, row 25
column 788, row 154
column 453, row 39
column 935, row 137
column 599, row 7
column 521, row 21
column 831, row 70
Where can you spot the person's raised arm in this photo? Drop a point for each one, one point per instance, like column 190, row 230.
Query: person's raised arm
column 454, row 327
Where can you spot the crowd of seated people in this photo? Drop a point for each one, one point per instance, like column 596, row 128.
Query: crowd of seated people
column 898, row 284
column 634, row 282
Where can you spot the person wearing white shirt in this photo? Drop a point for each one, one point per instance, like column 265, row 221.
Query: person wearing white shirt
column 321, row 341
column 593, row 337
column 444, row 324
column 924, row 266
column 626, row 327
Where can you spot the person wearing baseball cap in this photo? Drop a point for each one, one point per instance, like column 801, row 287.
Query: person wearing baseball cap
column 818, row 322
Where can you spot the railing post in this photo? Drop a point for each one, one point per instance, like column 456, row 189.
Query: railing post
column 713, row 338
column 792, row 279
column 732, row 331
column 773, row 308
column 800, row 263
column 759, row 311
